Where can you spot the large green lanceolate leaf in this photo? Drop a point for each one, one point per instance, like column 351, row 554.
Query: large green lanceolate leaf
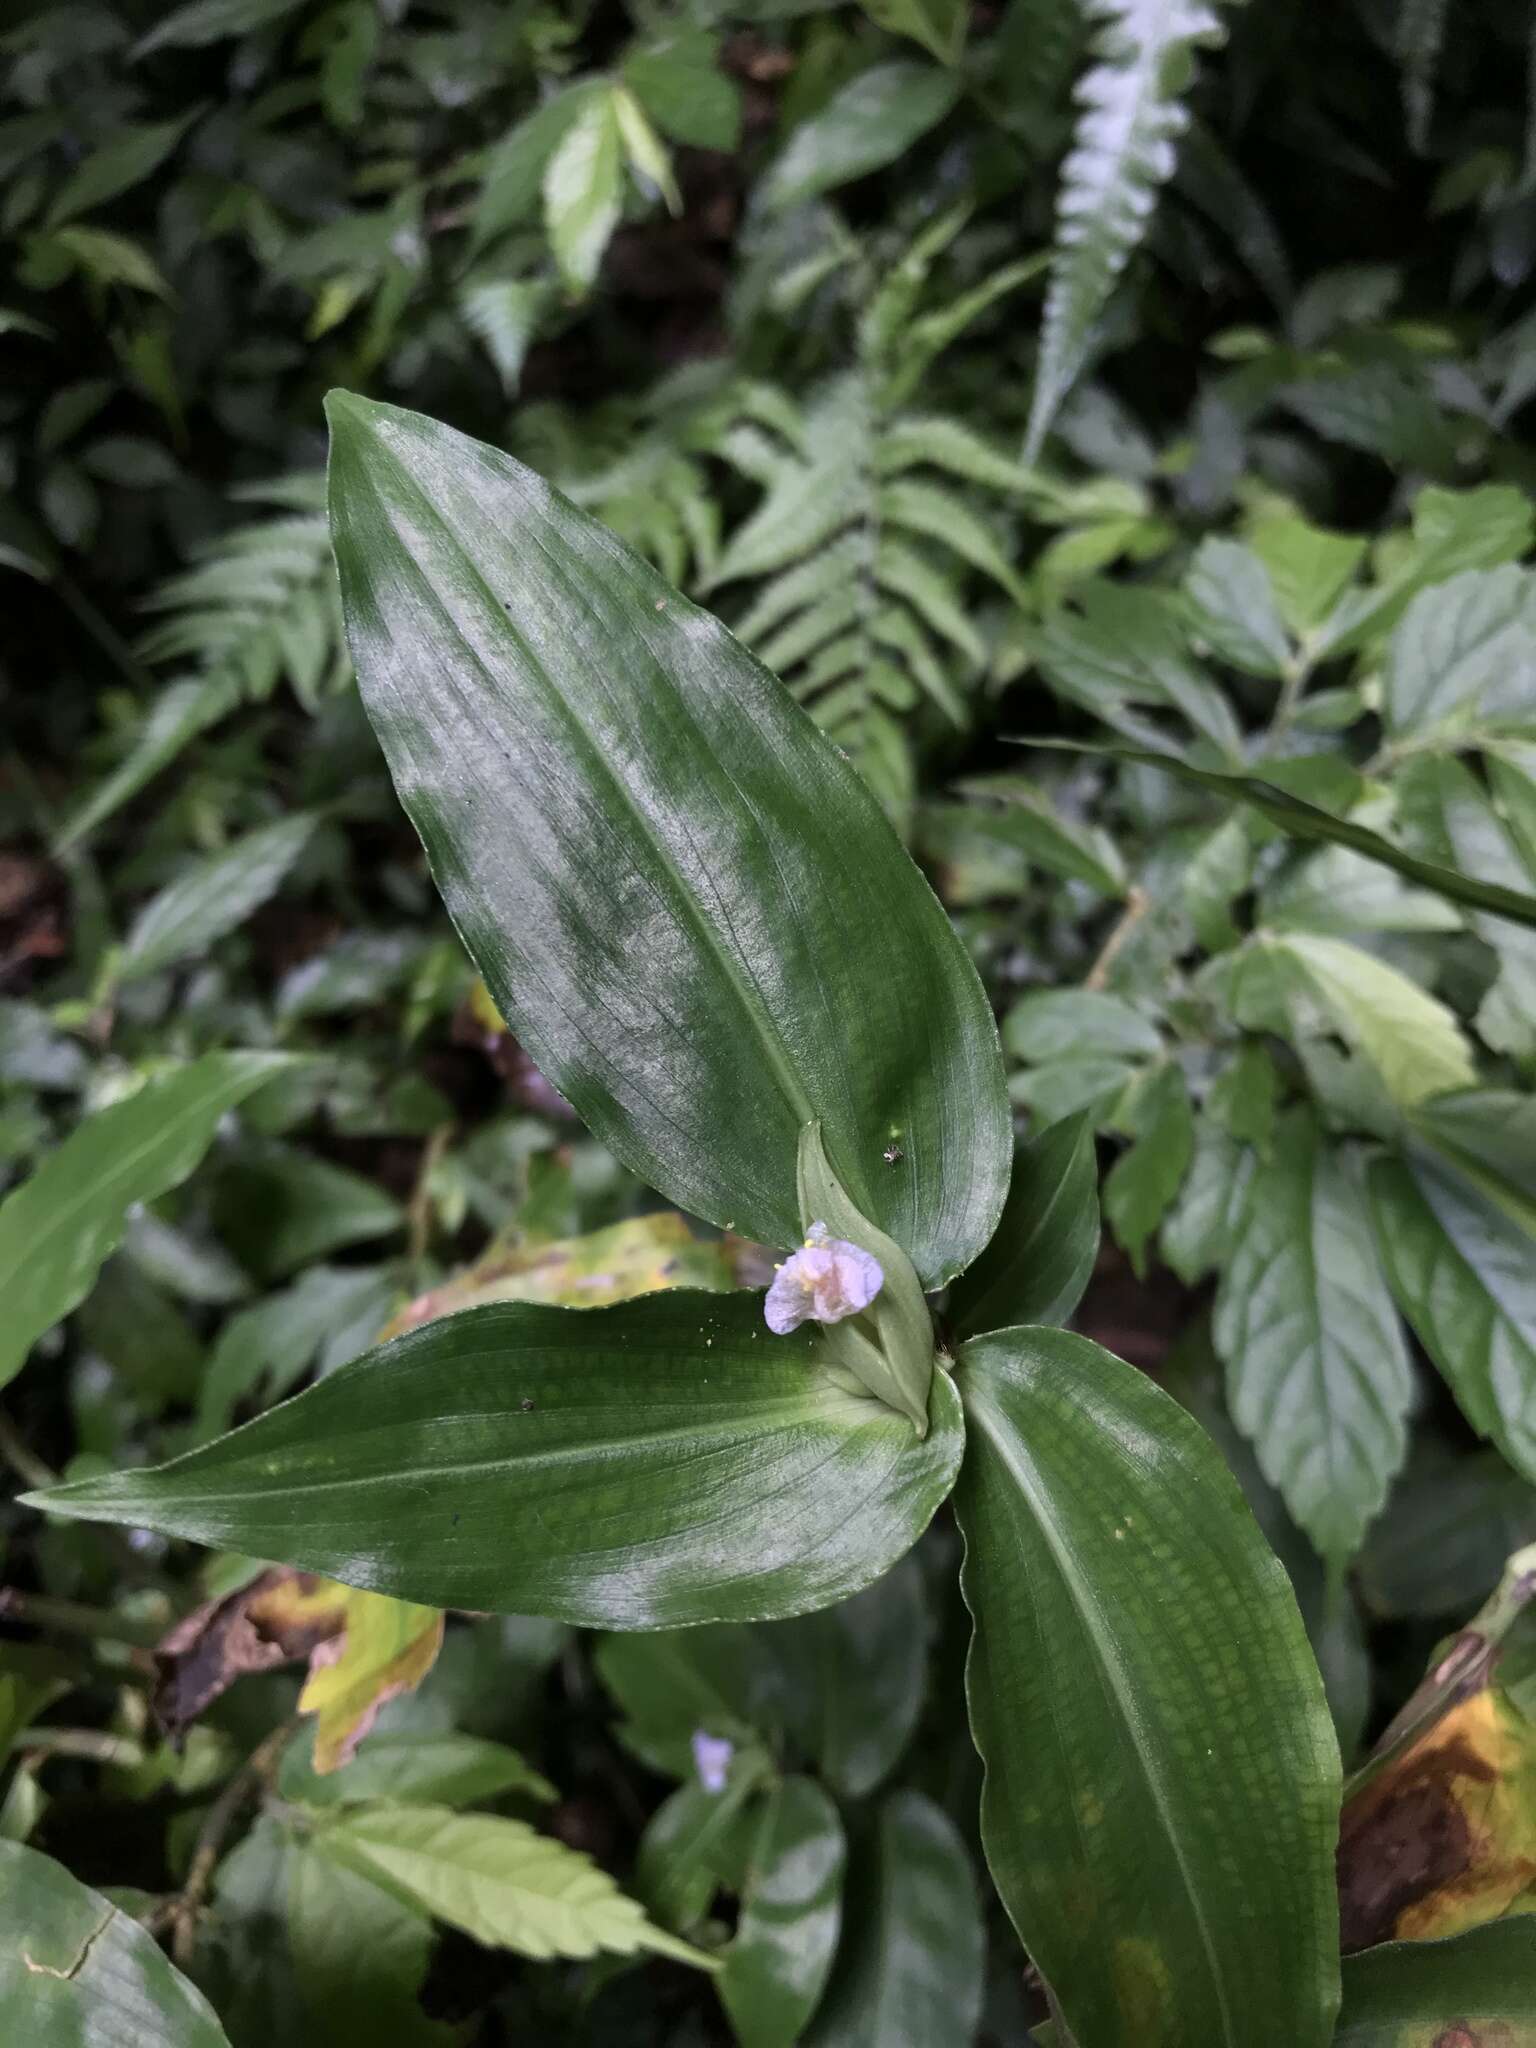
column 662, row 1462
column 75, row 1972
column 791, row 1909
column 685, row 903
column 1162, row 1781
column 909, row 1966
column 1317, row 1373
column 1299, row 819
column 58, row 1227
column 1477, row 1990
column 1464, row 1274
column 1036, row 1267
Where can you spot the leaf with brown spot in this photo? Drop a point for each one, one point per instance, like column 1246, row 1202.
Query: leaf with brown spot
column 276, row 1618
column 1438, row 1833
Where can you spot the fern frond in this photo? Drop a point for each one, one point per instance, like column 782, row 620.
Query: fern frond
column 260, row 604
column 861, row 549
column 1122, row 154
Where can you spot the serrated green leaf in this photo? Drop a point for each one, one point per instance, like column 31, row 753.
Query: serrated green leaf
column 1464, row 1274
column 583, row 187
column 419, row 1470
column 497, row 1880
column 515, row 169
column 1196, row 1237
column 1452, row 531
column 1244, row 1094
column 57, row 1228
column 1489, row 1134
column 1039, row 1262
column 676, row 77
column 909, row 1969
column 359, row 1956
column 1069, row 1023
column 1339, row 892
column 791, row 1910
column 451, row 1769
column 1413, row 1041
column 1464, row 654
column 867, row 124
column 939, row 25
column 1028, row 820
column 1144, row 1180
column 1145, row 1704
column 1233, row 608
column 740, row 987
column 213, row 896
column 1309, row 566
column 1317, row 1374
column 74, row 1970
column 202, row 22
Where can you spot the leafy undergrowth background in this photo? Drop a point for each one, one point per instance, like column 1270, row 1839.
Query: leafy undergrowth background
column 1239, row 477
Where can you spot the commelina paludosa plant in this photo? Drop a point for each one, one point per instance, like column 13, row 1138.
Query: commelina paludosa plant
column 698, row 919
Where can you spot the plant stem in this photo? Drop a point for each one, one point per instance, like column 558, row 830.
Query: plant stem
column 23, row 1461
column 252, row 1778
column 1137, row 904
column 70, row 1617
column 94, row 1744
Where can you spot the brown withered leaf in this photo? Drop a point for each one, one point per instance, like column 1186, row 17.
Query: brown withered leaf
column 276, row 1618
column 1439, row 1828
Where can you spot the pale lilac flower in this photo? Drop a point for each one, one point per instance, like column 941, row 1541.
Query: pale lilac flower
column 712, row 1759
column 827, row 1279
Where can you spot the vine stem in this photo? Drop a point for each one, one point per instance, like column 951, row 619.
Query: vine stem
column 1137, row 904
column 253, row 1778
column 71, row 1617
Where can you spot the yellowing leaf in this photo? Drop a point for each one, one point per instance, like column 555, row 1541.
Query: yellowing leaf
column 1412, row 1040
column 387, row 1648
column 1445, row 1838
column 642, row 1255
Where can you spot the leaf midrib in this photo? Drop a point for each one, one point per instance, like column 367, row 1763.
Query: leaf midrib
column 981, row 1407
column 745, row 991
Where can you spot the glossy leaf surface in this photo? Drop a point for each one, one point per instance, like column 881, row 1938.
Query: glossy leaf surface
column 1477, row 1988
column 58, row 1227
column 75, row 1972
column 1317, row 1373
column 909, row 1965
column 1147, row 1709
column 791, row 1910
column 687, row 906
column 1464, row 1274
column 528, row 1459
column 1036, row 1267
